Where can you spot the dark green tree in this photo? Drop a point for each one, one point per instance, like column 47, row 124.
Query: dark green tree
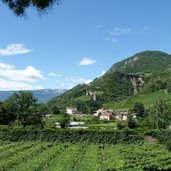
column 132, row 119
column 139, row 109
column 55, row 110
column 160, row 115
column 64, row 120
column 26, row 108
column 19, row 6
column 7, row 115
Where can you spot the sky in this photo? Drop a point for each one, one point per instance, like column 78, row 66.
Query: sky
column 78, row 40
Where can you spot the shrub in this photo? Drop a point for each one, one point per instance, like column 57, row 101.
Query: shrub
column 162, row 135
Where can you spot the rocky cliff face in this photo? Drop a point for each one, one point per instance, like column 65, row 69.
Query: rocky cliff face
column 137, row 83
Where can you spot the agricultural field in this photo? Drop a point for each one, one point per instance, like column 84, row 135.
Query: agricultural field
column 146, row 99
column 43, row 156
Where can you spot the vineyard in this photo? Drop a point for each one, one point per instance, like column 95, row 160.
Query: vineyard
column 43, row 156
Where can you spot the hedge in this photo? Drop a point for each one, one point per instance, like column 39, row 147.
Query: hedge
column 71, row 136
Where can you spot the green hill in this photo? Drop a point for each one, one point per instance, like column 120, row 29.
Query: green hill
column 146, row 99
column 141, row 77
column 144, row 62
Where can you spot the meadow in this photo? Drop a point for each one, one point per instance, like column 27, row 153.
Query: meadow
column 146, row 99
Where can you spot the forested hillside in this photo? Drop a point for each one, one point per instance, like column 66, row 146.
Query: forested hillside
column 141, row 74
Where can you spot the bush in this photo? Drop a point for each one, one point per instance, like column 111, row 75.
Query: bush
column 162, row 135
column 120, row 124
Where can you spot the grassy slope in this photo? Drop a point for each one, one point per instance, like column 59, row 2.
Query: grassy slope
column 146, row 99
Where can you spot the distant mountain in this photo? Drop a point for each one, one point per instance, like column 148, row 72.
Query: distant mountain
column 43, row 95
column 143, row 73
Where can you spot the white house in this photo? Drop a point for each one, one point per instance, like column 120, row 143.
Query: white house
column 71, row 110
column 104, row 114
column 121, row 115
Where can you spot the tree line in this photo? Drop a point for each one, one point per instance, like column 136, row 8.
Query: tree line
column 22, row 108
column 157, row 116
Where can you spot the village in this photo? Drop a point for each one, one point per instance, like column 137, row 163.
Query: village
column 105, row 116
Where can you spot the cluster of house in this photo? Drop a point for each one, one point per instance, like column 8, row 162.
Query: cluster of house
column 104, row 114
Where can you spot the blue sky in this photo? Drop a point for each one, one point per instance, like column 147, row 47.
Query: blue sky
column 78, row 40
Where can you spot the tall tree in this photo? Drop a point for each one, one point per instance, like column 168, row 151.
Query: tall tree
column 7, row 115
column 19, row 6
column 26, row 108
column 139, row 109
column 64, row 120
column 160, row 114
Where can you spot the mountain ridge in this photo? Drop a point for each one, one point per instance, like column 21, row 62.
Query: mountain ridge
column 43, row 95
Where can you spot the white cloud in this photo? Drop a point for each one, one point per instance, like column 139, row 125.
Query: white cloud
column 19, row 79
column 142, row 31
column 54, row 74
column 74, row 79
column 87, row 81
column 29, row 74
column 6, row 66
column 80, row 80
column 96, row 27
column 103, row 72
column 71, row 78
column 62, row 84
column 87, row 61
column 38, row 87
column 14, row 49
column 119, row 31
column 114, row 40
column 116, row 33
column 70, row 84
column 6, row 85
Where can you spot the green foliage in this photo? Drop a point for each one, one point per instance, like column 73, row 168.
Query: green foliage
column 64, row 120
column 113, row 85
column 19, row 7
column 71, row 136
column 25, row 106
column 131, row 121
column 168, row 144
column 120, row 124
column 146, row 99
column 93, row 120
column 101, row 125
column 67, row 98
column 43, row 156
column 6, row 113
column 139, row 109
column 22, row 108
column 162, row 135
column 55, row 110
column 115, row 90
column 147, row 62
column 160, row 115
